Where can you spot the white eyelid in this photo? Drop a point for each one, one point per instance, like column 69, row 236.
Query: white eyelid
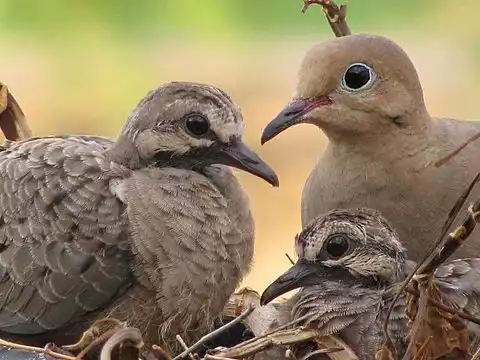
column 346, row 89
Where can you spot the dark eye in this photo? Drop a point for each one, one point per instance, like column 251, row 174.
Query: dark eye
column 337, row 245
column 197, row 124
column 357, row 77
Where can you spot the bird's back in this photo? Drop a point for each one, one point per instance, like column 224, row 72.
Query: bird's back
column 63, row 248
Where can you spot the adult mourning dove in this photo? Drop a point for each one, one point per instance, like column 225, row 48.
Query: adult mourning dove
column 364, row 93
column 152, row 228
column 350, row 266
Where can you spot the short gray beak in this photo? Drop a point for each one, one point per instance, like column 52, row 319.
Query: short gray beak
column 299, row 275
column 292, row 115
column 238, row 155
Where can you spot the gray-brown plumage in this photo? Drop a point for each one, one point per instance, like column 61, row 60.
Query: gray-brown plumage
column 349, row 268
column 152, row 228
column 364, row 93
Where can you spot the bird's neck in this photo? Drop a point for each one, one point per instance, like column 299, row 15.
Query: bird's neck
column 389, row 143
column 351, row 311
column 124, row 152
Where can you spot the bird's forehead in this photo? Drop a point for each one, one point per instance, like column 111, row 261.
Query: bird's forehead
column 323, row 65
column 225, row 117
column 320, row 71
column 310, row 242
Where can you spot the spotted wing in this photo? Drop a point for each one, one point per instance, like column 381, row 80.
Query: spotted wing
column 459, row 280
column 62, row 233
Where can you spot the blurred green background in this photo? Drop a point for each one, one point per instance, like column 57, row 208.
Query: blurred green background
column 80, row 66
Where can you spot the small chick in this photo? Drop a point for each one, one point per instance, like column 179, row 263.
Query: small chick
column 364, row 93
column 152, row 228
column 350, row 264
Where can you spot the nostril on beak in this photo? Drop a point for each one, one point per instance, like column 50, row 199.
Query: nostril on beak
column 293, row 112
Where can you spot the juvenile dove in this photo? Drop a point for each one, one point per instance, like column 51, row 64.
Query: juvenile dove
column 152, row 228
column 364, row 93
column 349, row 268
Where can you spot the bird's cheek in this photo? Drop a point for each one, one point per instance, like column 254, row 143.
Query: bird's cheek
column 147, row 144
column 323, row 115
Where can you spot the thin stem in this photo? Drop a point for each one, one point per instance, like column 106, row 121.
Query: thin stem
column 49, row 352
column 185, row 347
column 290, row 259
column 215, row 333
column 321, row 351
column 452, row 216
column 444, row 307
column 95, row 342
column 456, row 151
column 336, row 15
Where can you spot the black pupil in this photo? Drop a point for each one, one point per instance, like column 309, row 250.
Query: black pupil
column 197, row 125
column 337, row 245
column 357, row 76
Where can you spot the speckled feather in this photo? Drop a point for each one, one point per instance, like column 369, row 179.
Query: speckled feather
column 89, row 228
column 63, row 234
column 353, row 306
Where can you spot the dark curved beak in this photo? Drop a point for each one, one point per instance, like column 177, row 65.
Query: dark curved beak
column 238, row 155
column 291, row 115
column 299, row 275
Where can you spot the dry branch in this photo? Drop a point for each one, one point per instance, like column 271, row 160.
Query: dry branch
column 332, row 345
column 263, row 322
column 447, row 249
column 428, row 312
column 97, row 329
column 336, row 15
column 37, row 350
column 13, row 123
column 215, row 333
column 457, row 150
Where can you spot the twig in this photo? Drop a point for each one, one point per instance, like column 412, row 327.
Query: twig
column 106, row 335
column 422, row 309
column 38, row 350
column 214, row 357
column 290, row 259
column 451, row 218
column 321, row 351
column 452, row 215
column 13, row 123
column 94, row 331
column 215, row 333
column 289, row 337
column 132, row 335
column 476, row 356
column 454, row 239
column 277, row 329
column 160, row 351
column 185, row 347
column 336, row 15
column 456, row 151
column 444, row 307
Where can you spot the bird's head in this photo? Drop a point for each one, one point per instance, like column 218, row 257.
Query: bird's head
column 351, row 85
column 359, row 245
column 192, row 125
